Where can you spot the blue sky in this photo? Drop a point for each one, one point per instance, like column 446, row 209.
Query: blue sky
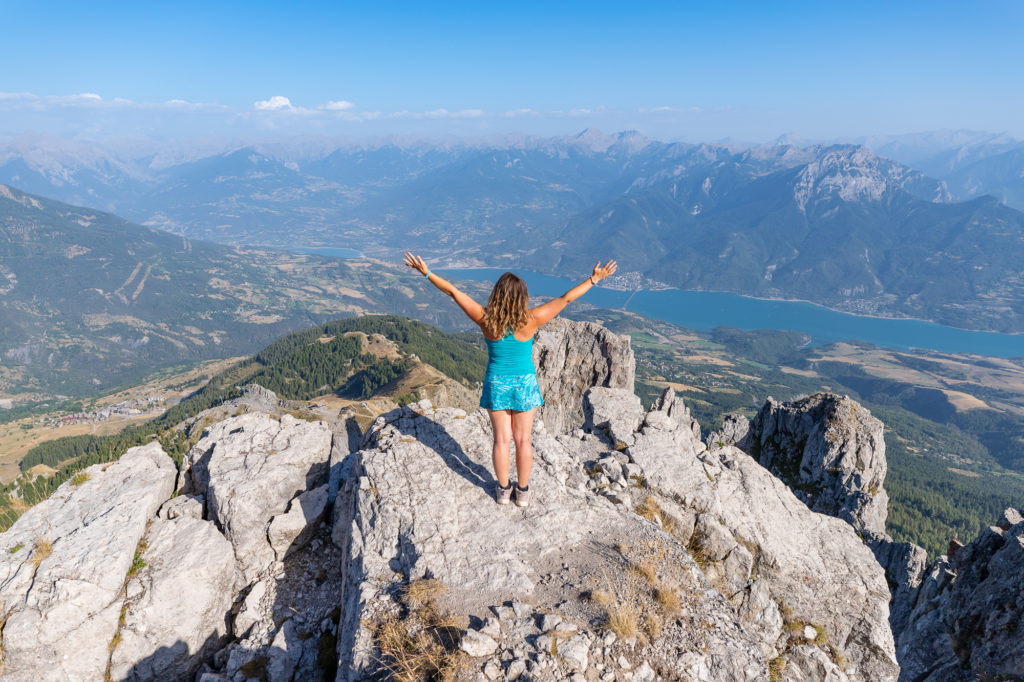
column 743, row 70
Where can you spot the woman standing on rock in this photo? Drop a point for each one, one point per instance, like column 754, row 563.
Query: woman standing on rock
column 510, row 391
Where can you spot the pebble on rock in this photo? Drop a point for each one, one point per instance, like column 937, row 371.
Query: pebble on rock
column 476, row 643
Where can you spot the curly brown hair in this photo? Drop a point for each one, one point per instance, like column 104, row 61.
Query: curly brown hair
column 507, row 307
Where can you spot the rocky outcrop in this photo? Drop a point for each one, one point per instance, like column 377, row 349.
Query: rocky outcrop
column 177, row 601
column 64, row 563
column 777, row 580
column 544, row 557
column 783, row 566
column 967, row 612
column 571, row 357
column 643, row 555
column 829, row 450
column 248, row 469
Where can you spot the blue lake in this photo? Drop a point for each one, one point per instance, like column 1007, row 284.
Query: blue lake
column 704, row 310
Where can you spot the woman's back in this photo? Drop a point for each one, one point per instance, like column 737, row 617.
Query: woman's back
column 509, row 356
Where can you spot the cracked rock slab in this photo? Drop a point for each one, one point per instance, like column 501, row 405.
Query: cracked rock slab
column 180, row 613
column 62, row 587
column 249, row 468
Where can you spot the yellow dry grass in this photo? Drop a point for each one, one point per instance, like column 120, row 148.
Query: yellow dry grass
column 678, row 387
column 42, row 551
column 965, row 401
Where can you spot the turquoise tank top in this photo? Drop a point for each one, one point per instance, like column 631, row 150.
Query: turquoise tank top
column 509, row 356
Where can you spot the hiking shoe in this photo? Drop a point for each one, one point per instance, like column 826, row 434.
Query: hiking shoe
column 522, row 496
column 503, row 495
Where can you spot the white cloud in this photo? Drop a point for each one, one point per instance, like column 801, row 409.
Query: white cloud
column 339, row 105
column 515, row 113
column 275, row 103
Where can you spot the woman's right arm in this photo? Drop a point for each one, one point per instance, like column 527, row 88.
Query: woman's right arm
column 473, row 310
column 546, row 312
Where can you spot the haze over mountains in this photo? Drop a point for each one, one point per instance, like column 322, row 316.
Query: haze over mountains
column 89, row 300
column 836, row 224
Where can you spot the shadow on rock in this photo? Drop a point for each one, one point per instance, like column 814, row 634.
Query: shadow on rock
column 436, row 437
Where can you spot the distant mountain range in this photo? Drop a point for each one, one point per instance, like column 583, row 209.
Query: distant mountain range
column 89, row 301
column 836, row 224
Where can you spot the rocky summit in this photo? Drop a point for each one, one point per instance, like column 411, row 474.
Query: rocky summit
column 286, row 549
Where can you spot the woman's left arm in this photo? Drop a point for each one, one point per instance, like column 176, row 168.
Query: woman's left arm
column 473, row 310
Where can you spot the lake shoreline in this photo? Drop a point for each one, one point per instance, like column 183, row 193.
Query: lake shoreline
column 777, row 299
column 702, row 310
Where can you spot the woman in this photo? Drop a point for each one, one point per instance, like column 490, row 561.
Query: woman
column 510, row 391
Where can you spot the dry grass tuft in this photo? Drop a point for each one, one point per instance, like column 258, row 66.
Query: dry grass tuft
column 43, row 549
column 422, row 645
column 646, row 570
column 79, row 478
column 422, row 595
column 649, row 509
column 602, row 597
column 412, row 655
column 667, row 599
column 652, row 626
column 621, row 619
column 775, row 668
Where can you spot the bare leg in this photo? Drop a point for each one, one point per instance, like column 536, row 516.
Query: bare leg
column 522, row 430
column 501, row 426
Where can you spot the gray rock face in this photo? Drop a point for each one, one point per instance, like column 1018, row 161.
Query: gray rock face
column 967, row 611
column 63, row 566
column 249, row 468
column 612, row 411
column 830, row 450
column 178, row 604
column 571, row 357
column 904, row 564
column 288, row 532
column 400, row 531
column 752, row 531
column 733, row 430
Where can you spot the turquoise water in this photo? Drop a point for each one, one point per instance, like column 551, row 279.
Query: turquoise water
column 704, row 310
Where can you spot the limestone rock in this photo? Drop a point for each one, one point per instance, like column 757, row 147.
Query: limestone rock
column 965, row 620
column 813, row 565
column 477, row 643
column 249, row 468
column 733, row 430
column 671, row 405
column 184, row 597
column 830, row 450
column 288, row 532
column 616, row 412
column 61, row 590
column 904, row 564
column 572, row 357
column 182, row 506
column 396, row 528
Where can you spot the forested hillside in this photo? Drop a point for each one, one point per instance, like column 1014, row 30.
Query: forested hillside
column 90, row 301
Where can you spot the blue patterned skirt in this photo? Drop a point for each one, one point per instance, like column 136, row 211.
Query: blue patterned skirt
column 516, row 392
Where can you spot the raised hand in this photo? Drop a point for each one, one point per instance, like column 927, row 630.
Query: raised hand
column 416, row 263
column 600, row 272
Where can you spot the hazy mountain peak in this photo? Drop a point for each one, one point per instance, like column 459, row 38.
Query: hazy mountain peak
column 595, row 140
column 631, row 141
column 851, row 172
